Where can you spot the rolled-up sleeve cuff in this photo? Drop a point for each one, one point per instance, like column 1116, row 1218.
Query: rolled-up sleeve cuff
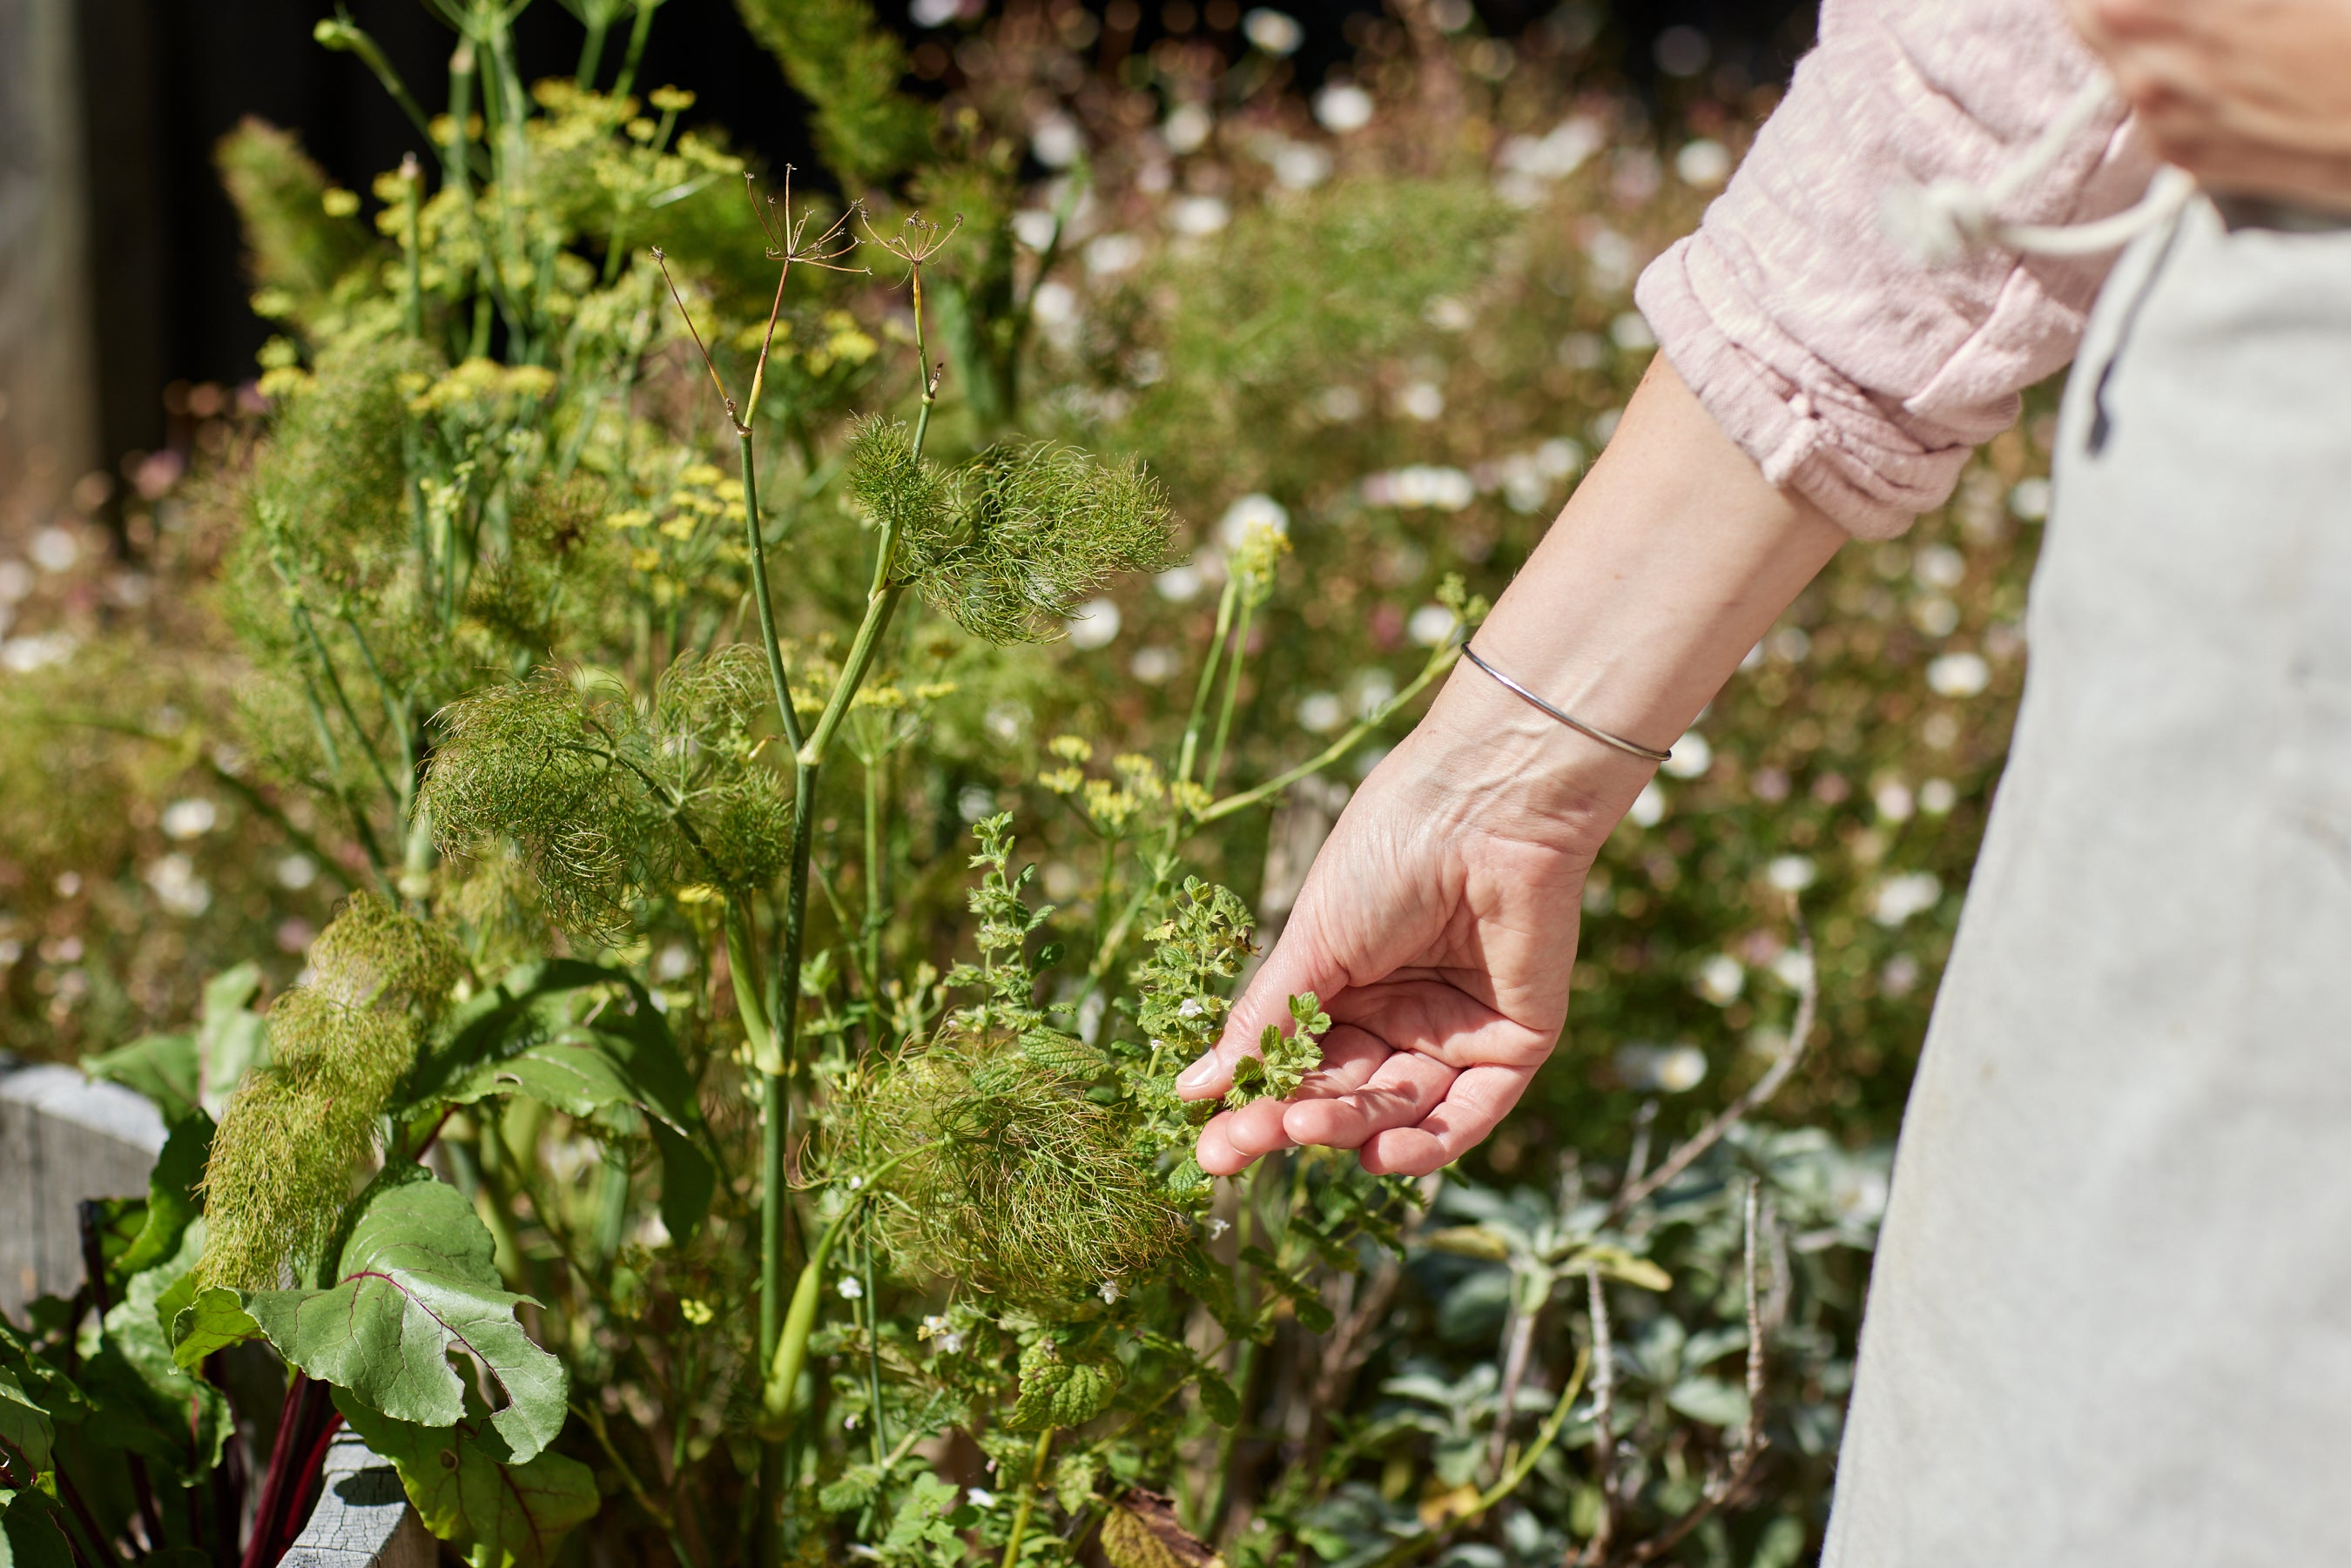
column 1827, row 441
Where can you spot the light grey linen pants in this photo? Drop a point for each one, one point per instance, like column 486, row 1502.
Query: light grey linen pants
column 2110, row 1320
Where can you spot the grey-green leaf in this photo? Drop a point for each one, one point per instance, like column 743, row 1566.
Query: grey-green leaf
column 418, row 1284
column 497, row 1511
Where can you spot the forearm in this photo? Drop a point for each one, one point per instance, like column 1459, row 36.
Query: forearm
column 1439, row 924
column 1673, row 558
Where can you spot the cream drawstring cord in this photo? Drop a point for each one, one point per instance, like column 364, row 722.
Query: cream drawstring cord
column 1940, row 223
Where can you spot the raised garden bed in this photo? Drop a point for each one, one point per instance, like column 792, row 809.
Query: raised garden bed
column 63, row 1140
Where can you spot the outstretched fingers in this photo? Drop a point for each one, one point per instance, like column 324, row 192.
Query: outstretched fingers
column 1405, row 1087
column 1478, row 1099
column 1233, row 1139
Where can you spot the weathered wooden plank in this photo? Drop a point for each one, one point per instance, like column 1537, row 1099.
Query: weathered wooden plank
column 62, row 1139
column 362, row 1519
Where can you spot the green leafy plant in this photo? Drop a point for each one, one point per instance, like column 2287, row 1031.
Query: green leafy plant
column 795, row 1169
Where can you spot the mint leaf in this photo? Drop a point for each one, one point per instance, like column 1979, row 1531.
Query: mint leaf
column 1282, row 1062
column 1058, row 1393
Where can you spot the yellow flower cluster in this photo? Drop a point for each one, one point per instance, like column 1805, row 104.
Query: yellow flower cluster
column 670, row 541
column 1110, row 805
column 891, row 697
column 483, row 388
column 844, row 342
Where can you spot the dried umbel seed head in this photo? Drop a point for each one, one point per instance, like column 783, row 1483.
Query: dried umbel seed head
column 1013, row 1181
column 289, row 1139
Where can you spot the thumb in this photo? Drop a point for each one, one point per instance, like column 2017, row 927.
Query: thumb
column 1300, row 961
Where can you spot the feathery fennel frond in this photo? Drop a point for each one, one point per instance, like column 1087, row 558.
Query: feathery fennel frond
column 281, row 1163
column 296, row 238
column 606, row 799
column 838, row 56
column 1014, row 1182
column 1032, row 530
column 899, row 489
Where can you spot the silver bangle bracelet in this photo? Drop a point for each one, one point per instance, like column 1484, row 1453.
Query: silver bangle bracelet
column 1630, row 747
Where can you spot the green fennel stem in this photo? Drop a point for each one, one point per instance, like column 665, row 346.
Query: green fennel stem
column 1232, row 694
column 591, row 50
column 881, row 1439
column 875, row 911
column 1184, row 758
column 628, row 76
column 775, row 1195
column 861, row 651
column 361, row 829
column 301, row 614
column 790, row 1356
column 782, row 1347
column 413, row 242
column 1437, row 664
column 342, row 36
column 1029, row 1497
column 750, row 989
column 755, row 541
column 773, row 1055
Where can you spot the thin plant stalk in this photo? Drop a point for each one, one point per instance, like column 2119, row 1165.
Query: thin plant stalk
column 1029, row 1497
column 1232, row 694
column 1512, row 1477
column 643, row 25
column 880, row 1437
column 1186, row 755
column 1808, row 1001
column 1114, row 941
column 876, row 863
column 1517, row 1344
column 337, row 33
column 1438, row 662
column 1604, row 1421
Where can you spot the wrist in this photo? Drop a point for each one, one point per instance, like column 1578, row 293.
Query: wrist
column 1488, row 761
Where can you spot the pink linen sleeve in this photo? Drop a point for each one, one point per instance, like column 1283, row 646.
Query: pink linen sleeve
column 1853, row 374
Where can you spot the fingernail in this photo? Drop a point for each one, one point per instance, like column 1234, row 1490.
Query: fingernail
column 1196, row 1076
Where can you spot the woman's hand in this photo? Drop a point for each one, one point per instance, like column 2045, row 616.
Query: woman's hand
column 2251, row 96
column 1438, row 928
